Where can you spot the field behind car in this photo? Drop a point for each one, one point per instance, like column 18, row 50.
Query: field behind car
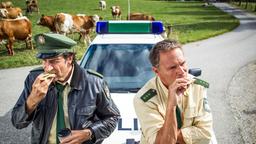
column 190, row 22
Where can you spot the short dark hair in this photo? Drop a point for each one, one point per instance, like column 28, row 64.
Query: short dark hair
column 165, row 45
column 66, row 55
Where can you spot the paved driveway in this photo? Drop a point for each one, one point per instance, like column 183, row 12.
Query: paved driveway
column 220, row 58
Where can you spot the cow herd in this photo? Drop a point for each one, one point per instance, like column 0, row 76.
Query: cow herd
column 64, row 23
column 15, row 26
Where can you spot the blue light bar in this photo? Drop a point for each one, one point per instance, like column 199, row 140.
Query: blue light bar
column 129, row 27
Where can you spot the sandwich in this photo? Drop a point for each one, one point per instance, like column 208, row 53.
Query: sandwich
column 48, row 75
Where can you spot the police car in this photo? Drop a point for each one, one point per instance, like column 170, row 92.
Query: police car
column 120, row 53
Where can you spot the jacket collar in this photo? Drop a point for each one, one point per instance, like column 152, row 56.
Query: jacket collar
column 76, row 78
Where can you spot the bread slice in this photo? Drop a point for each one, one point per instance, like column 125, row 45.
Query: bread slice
column 48, row 76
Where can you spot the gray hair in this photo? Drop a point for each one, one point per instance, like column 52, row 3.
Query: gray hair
column 165, row 45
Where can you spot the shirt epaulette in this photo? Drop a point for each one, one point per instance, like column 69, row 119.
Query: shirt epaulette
column 201, row 82
column 148, row 95
column 94, row 73
column 37, row 69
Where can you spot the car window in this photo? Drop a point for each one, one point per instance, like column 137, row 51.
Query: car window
column 124, row 66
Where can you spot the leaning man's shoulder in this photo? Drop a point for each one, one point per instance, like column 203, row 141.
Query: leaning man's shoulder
column 201, row 83
column 37, row 69
column 92, row 72
column 148, row 95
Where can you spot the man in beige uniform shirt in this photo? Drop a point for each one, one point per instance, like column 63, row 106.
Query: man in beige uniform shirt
column 172, row 107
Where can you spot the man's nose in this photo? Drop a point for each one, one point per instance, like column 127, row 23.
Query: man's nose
column 181, row 70
column 47, row 66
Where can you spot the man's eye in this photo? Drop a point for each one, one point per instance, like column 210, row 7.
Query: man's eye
column 182, row 63
column 55, row 62
column 173, row 67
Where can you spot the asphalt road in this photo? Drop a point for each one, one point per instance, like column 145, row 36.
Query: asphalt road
column 228, row 62
column 220, row 58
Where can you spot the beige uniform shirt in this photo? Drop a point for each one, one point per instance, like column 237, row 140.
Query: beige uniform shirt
column 196, row 116
column 52, row 136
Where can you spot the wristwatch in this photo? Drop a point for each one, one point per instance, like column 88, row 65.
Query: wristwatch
column 92, row 137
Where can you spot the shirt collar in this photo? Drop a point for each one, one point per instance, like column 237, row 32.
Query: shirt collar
column 162, row 87
column 69, row 79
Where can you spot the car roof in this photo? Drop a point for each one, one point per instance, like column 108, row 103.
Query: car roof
column 127, row 39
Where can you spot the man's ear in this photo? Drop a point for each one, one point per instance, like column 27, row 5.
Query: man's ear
column 155, row 69
column 70, row 59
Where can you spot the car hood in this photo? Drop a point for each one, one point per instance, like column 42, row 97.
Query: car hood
column 128, row 125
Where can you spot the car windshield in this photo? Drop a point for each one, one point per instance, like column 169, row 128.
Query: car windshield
column 125, row 67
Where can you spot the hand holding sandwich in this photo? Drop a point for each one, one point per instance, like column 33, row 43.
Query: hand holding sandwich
column 177, row 88
column 39, row 90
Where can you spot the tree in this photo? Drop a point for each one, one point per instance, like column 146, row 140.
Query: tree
column 246, row 4
column 255, row 7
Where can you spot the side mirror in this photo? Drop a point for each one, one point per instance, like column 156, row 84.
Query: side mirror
column 195, row 72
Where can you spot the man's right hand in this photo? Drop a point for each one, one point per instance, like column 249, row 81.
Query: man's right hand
column 39, row 90
column 176, row 89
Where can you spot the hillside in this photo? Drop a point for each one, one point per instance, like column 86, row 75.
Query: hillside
column 190, row 22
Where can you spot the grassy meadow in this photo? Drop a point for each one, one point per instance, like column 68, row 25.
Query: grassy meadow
column 190, row 22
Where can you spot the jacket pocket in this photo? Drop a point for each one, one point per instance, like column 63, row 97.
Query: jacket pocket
column 88, row 110
column 84, row 115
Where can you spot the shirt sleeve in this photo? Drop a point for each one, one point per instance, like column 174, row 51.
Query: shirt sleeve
column 200, row 132
column 20, row 118
column 200, row 117
column 107, row 113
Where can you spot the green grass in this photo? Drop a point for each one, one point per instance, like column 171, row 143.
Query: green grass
column 190, row 22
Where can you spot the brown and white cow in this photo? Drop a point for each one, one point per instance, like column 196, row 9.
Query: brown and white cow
column 6, row 4
column 116, row 12
column 82, row 24
column 16, row 29
column 88, row 27
column 63, row 23
column 10, row 13
column 47, row 21
column 32, row 5
column 102, row 5
column 140, row 16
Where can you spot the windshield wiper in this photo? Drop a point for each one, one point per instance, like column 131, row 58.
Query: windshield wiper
column 124, row 90
column 134, row 90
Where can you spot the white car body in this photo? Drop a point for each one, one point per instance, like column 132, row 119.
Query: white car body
column 128, row 129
